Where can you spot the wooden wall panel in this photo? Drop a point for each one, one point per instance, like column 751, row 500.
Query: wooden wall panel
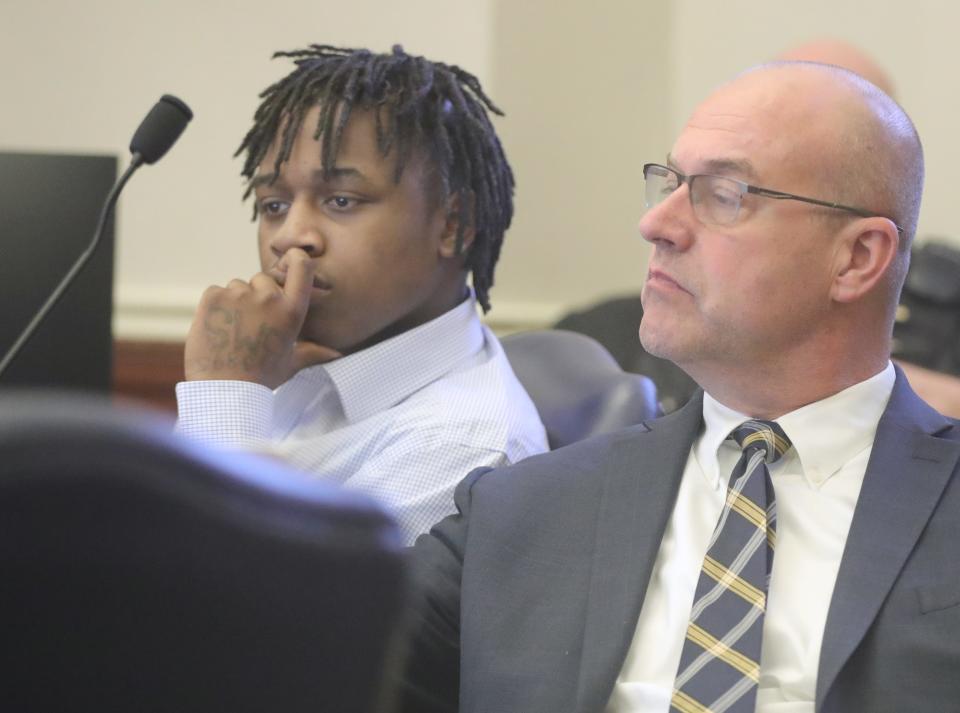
column 147, row 372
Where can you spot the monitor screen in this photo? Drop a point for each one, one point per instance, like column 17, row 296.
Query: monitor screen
column 49, row 208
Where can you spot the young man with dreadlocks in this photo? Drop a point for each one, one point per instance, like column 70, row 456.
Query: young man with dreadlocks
column 357, row 353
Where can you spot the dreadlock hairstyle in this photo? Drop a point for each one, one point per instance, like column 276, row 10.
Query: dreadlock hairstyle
column 419, row 105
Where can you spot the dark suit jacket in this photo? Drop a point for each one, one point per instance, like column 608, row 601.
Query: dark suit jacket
column 530, row 595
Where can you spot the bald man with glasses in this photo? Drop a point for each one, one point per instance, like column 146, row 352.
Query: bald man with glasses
column 787, row 541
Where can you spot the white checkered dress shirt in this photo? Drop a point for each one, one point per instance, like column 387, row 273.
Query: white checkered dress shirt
column 403, row 420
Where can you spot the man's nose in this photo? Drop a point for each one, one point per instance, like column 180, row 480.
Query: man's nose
column 302, row 229
column 671, row 222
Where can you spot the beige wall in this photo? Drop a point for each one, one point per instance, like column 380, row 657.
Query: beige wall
column 591, row 91
column 585, row 85
column 79, row 76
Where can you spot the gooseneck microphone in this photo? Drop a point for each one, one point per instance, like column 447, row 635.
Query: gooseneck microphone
column 159, row 130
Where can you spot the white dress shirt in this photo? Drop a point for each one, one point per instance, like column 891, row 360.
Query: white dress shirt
column 816, row 484
column 403, row 420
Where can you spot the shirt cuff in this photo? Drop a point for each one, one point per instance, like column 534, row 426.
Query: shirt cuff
column 234, row 414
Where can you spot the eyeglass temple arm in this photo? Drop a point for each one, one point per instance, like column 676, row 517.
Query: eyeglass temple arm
column 778, row 195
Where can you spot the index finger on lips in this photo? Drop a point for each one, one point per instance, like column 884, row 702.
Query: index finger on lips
column 299, row 280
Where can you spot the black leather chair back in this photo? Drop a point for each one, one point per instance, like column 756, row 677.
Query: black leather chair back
column 613, row 322
column 577, row 386
column 142, row 573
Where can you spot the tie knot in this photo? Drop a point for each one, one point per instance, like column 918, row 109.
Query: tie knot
column 766, row 436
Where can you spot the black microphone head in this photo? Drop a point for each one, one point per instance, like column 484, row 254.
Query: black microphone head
column 160, row 129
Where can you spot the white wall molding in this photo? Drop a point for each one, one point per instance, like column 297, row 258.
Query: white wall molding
column 153, row 313
column 517, row 315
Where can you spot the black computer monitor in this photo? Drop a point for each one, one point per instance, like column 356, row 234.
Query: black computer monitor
column 49, row 207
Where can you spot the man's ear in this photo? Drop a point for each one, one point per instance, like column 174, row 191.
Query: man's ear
column 867, row 252
column 460, row 211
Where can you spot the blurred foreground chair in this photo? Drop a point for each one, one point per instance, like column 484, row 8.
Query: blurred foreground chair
column 577, row 386
column 142, row 573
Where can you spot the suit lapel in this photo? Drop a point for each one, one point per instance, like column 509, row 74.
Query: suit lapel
column 908, row 470
column 641, row 477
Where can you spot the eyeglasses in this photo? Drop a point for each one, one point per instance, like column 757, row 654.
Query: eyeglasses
column 716, row 199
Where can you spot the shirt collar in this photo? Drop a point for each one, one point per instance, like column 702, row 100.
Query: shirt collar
column 826, row 434
column 380, row 376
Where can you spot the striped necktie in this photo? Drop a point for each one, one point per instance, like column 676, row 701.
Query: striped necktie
column 720, row 662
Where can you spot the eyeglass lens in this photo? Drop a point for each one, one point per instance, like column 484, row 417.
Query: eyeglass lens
column 715, row 199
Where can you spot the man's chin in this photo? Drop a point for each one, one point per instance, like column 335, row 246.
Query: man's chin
column 655, row 341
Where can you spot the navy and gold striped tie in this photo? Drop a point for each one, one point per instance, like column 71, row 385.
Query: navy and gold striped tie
column 720, row 663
